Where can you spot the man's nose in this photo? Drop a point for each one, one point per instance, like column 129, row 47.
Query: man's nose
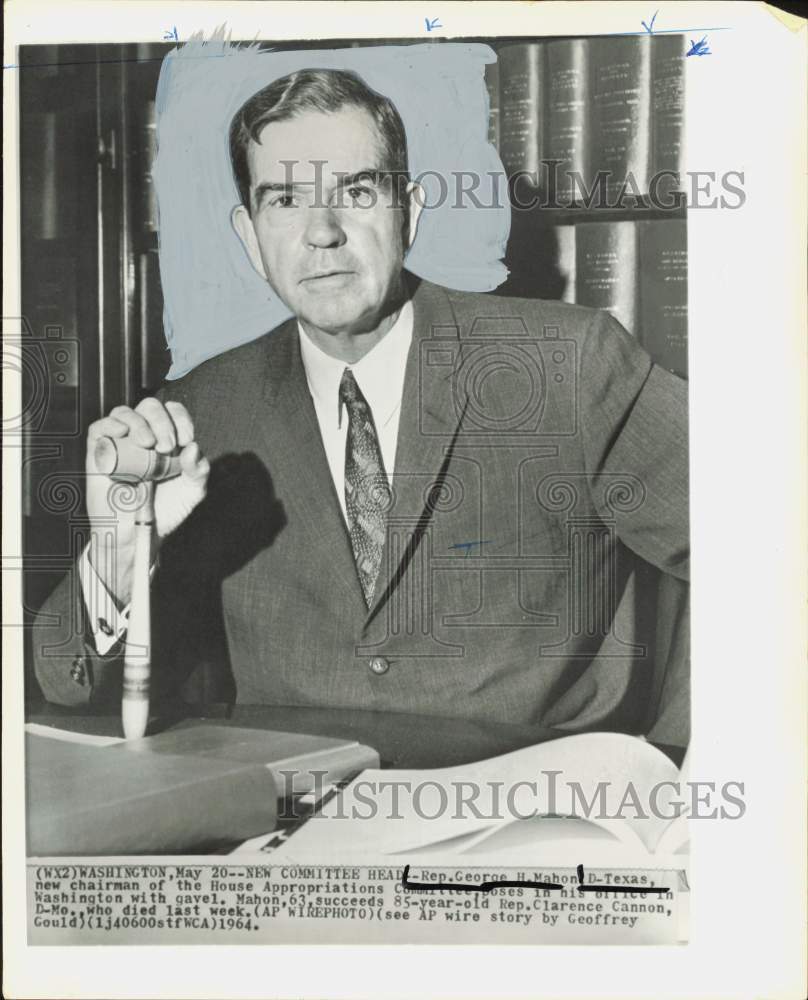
column 323, row 230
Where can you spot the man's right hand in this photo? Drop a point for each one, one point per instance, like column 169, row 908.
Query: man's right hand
column 168, row 429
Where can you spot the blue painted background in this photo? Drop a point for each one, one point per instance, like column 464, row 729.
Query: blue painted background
column 214, row 300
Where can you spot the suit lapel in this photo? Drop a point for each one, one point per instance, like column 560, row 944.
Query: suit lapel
column 431, row 410
column 288, row 422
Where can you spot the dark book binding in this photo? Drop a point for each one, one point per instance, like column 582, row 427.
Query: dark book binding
column 621, row 100
column 567, row 133
column 663, row 293
column 521, row 107
column 606, row 269
column 667, row 115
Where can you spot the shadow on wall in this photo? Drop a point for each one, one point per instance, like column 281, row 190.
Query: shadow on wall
column 532, row 252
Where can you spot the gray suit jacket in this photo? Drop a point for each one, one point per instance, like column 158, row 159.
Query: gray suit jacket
column 538, row 530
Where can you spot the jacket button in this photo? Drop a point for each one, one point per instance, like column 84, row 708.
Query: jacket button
column 77, row 671
column 379, row 665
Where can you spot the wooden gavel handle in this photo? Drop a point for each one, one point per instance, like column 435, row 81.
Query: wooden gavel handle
column 137, row 652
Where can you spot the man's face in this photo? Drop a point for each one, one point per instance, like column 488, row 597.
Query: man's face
column 327, row 234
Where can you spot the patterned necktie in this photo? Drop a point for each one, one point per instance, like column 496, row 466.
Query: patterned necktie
column 367, row 492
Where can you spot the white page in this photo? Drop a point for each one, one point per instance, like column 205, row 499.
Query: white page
column 345, row 828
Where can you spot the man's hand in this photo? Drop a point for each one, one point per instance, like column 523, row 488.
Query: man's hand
column 151, row 425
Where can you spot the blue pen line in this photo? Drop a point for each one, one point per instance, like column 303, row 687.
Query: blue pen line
column 659, row 31
column 607, row 34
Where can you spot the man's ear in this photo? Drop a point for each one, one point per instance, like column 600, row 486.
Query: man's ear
column 243, row 225
column 415, row 195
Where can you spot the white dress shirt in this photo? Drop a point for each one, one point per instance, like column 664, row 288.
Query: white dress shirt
column 379, row 375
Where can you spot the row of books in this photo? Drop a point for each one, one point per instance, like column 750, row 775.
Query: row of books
column 613, row 104
column 599, row 262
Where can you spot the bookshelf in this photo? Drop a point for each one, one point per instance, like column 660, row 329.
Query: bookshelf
column 615, row 105
column 590, row 131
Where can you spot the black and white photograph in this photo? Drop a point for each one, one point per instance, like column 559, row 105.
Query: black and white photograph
column 354, row 450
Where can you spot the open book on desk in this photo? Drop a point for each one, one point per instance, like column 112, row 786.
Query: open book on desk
column 597, row 798
column 191, row 788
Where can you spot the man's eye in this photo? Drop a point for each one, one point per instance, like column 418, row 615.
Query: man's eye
column 360, row 194
column 282, row 201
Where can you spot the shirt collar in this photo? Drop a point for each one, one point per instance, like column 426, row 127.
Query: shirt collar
column 379, row 374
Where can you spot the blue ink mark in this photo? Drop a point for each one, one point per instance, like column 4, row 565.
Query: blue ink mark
column 660, row 31
column 650, row 28
column 698, row 48
column 468, row 546
column 169, row 35
column 431, row 25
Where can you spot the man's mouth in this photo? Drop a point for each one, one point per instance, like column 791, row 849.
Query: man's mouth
column 326, row 277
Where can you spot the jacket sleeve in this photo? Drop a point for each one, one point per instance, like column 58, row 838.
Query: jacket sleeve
column 66, row 663
column 633, row 418
column 190, row 658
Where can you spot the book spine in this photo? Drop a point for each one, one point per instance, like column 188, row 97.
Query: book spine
column 621, row 112
column 492, row 86
column 606, row 269
column 667, row 111
column 521, row 107
column 565, row 261
column 663, row 293
column 567, row 132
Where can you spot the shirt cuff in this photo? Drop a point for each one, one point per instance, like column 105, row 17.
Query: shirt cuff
column 107, row 622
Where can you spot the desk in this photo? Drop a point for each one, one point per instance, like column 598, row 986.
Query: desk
column 402, row 741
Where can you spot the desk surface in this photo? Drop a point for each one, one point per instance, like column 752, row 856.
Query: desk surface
column 402, row 741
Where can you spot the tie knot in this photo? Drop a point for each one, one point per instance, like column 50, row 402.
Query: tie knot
column 349, row 392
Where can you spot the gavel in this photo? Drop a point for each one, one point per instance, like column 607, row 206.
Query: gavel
column 124, row 461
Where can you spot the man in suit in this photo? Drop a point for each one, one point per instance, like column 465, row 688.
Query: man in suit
column 405, row 498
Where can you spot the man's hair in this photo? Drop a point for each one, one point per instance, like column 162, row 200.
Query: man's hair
column 322, row 90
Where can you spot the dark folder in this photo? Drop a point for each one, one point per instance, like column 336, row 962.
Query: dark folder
column 189, row 789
